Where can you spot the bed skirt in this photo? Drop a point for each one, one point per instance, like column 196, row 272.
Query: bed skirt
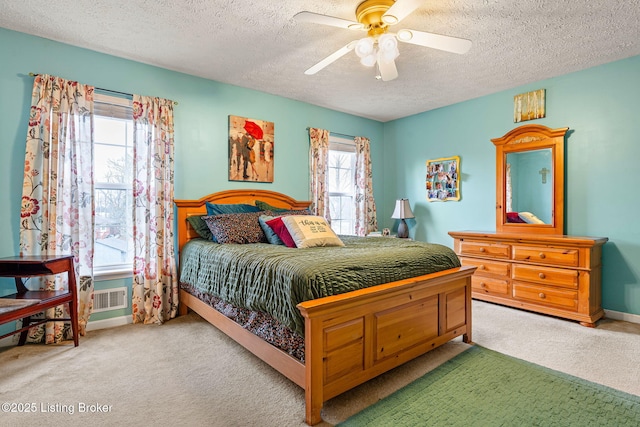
column 260, row 324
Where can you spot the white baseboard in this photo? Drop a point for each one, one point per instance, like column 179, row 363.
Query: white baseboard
column 109, row 323
column 619, row 315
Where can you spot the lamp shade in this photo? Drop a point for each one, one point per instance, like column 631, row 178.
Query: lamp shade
column 402, row 210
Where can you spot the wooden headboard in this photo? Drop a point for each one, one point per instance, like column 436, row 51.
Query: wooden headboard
column 187, row 208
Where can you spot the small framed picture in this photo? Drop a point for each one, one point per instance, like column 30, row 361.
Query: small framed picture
column 529, row 106
column 443, row 179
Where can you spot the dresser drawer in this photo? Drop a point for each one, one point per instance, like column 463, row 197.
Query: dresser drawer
column 485, row 249
column 545, row 295
column 546, row 275
column 539, row 254
column 486, row 267
column 552, row 274
column 489, row 285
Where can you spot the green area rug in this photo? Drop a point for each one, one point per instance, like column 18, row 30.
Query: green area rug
column 481, row 387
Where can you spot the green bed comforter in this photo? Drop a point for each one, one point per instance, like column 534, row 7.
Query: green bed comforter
column 274, row 278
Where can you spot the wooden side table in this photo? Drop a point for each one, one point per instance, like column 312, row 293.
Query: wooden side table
column 25, row 303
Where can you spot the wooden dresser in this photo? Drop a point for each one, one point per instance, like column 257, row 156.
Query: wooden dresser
column 552, row 274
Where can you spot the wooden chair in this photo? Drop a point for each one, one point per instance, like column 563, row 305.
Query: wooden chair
column 26, row 303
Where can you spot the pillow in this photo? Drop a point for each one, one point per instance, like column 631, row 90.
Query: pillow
column 272, row 236
column 514, row 217
column 264, row 206
column 200, row 227
column 293, row 212
column 213, row 209
column 309, row 231
column 238, row 228
column 281, row 231
column 530, row 218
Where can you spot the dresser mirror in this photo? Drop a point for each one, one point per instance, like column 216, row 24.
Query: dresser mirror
column 530, row 180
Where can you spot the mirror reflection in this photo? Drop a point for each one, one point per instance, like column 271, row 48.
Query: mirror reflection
column 530, row 180
column 529, row 187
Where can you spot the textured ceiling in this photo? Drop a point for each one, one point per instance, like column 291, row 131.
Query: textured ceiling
column 257, row 44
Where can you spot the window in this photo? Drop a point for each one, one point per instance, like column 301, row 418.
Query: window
column 113, row 176
column 342, row 192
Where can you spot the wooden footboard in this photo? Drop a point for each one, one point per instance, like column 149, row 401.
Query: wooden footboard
column 353, row 337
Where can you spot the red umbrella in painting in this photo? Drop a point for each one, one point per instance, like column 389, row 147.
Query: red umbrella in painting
column 253, row 129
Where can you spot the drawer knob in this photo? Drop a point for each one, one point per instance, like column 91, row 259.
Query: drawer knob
column 481, row 267
column 483, row 250
column 483, row 285
column 542, row 295
column 541, row 275
column 542, row 256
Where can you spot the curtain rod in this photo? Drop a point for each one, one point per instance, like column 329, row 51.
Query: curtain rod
column 106, row 90
column 342, row 135
column 338, row 134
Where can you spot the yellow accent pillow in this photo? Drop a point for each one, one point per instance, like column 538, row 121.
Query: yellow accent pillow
column 309, row 231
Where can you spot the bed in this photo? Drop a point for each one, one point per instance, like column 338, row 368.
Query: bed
column 350, row 337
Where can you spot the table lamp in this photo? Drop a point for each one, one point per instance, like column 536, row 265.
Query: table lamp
column 402, row 211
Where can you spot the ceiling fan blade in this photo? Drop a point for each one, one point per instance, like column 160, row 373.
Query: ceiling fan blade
column 388, row 70
column 400, row 10
column 317, row 18
column 331, row 58
column 435, row 41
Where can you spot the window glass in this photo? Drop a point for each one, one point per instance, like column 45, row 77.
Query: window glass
column 113, row 176
column 342, row 159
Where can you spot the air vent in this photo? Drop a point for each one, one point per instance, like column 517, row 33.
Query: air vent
column 109, row 299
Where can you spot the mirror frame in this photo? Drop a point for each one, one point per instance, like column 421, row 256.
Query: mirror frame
column 527, row 138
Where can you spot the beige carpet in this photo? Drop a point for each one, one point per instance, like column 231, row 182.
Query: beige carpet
column 187, row 373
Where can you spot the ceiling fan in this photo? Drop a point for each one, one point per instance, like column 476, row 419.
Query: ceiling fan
column 380, row 47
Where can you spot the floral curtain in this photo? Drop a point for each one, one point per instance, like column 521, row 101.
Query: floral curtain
column 56, row 216
column 155, row 283
column 366, row 221
column 318, row 162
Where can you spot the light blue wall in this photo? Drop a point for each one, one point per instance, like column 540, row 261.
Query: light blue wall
column 201, row 123
column 599, row 105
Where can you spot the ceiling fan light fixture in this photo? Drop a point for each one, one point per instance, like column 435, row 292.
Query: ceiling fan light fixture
column 387, row 42
column 364, row 47
column 387, row 48
column 404, row 35
column 369, row 60
column 381, row 46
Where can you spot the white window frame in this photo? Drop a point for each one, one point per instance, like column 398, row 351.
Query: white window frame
column 103, row 107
